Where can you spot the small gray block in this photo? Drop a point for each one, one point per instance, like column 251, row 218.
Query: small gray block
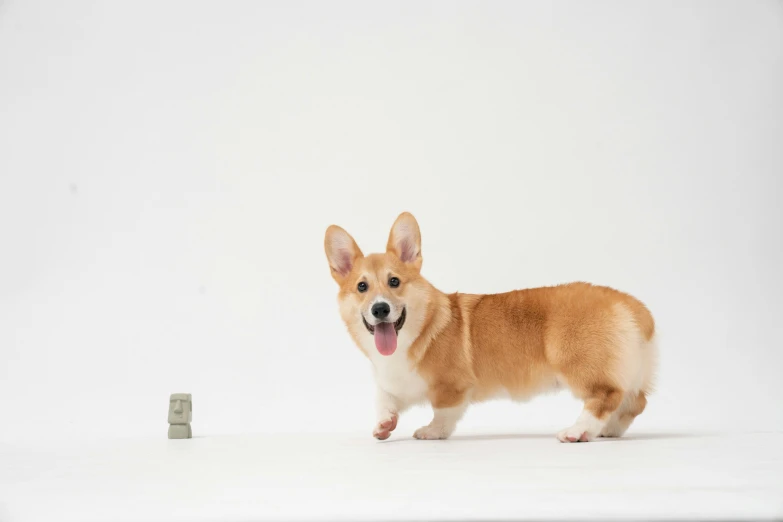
column 180, row 416
column 180, row 431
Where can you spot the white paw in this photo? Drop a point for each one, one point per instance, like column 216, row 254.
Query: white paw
column 385, row 426
column 431, row 432
column 576, row 433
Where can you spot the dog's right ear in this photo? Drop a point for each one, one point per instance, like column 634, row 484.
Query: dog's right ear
column 405, row 240
column 341, row 251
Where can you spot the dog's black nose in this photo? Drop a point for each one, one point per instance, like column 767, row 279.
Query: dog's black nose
column 380, row 310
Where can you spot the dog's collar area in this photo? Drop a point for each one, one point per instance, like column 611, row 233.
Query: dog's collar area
column 397, row 324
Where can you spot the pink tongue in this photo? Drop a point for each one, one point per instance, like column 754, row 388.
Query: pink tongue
column 385, row 338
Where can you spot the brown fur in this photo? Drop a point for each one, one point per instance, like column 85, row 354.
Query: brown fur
column 524, row 342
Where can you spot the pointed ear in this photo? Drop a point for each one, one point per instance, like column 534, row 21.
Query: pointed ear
column 405, row 240
column 341, row 252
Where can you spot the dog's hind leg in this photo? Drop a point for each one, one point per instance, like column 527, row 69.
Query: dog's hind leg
column 633, row 404
column 601, row 401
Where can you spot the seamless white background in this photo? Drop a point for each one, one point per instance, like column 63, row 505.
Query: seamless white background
column 168, row 170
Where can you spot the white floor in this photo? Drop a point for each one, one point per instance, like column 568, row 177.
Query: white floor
column 352, row 477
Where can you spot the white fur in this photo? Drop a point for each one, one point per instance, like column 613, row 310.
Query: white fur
column 638, row 358
column 649, row 370
column 629, row 341
column 394, row 374
column 386, row 404
column 587, row 424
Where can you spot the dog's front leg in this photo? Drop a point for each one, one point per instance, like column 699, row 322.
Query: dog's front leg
column 388, row 409
column 448, row 405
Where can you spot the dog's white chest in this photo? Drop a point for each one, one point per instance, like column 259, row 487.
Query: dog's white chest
column 395, row 375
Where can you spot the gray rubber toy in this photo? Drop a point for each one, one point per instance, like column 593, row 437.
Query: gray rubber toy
column 180, row 416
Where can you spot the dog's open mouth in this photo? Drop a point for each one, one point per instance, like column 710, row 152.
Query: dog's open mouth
column 397, row 324
column 385, row 334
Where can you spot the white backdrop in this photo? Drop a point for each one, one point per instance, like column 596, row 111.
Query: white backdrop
column 168, row 170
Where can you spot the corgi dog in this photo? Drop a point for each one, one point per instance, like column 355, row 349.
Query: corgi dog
column 451, row 350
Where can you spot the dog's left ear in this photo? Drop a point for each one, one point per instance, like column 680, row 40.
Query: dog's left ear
column 405, row 240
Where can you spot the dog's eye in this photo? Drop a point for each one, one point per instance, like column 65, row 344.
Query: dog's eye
column 362, row 287
column 394, row 282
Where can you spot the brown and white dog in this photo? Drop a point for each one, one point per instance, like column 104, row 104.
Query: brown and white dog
column 451, row 350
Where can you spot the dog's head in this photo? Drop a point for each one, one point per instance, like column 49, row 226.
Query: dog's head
column 382, row 296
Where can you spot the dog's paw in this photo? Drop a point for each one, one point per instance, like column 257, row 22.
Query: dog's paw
column 430, row 433
column 384, row 427
column 574, row 434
